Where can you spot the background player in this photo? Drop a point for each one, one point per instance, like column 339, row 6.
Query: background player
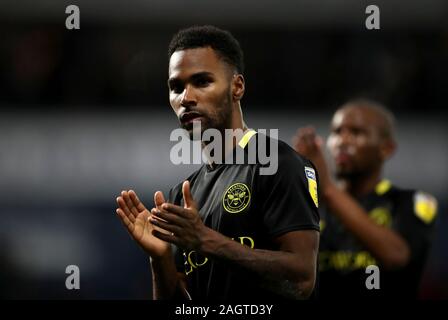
column 365, row 219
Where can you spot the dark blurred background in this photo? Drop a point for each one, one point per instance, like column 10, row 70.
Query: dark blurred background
column 85, row 114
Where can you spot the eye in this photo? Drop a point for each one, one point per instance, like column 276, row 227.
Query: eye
column 175, row 86
column 336, row 130
column 357, row 131
column 203, row 81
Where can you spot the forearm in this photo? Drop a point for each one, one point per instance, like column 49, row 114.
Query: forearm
column 385, row 244
column 165, row 280
column 286, row 273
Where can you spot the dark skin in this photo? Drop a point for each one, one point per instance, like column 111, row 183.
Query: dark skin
column 201, row 83
column 359, row 146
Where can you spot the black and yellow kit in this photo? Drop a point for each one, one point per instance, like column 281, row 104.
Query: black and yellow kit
column 251, row 209
column 343, row 260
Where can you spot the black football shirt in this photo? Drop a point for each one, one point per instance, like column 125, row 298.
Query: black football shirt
column 251, row 209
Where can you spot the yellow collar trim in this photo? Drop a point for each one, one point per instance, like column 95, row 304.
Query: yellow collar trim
column 245, row 139
column 382, row 187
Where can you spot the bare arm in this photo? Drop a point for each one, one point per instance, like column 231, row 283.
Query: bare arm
column 385, row 244
column 291, row 271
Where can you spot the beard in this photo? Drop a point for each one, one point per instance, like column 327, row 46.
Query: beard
column 220, row 118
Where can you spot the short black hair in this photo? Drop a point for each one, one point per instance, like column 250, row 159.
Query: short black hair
column 222, row 41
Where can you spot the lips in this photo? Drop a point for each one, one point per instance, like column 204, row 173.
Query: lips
column 189, row 117
column 343, row 157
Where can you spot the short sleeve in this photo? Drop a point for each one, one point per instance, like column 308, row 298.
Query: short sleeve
column 415, row 220
column 289, row 197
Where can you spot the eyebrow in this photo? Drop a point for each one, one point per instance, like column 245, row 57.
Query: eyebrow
column 174, row 80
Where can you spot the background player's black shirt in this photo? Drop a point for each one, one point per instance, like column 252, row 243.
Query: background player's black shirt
column 343, row 260
column 250, row 208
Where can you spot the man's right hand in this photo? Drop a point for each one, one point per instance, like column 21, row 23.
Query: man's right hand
column 135, row 218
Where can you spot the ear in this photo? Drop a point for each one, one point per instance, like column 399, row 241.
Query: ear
column 387, row 149
column 238, row 87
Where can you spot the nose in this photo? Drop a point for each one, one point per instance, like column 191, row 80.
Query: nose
column 188, row 97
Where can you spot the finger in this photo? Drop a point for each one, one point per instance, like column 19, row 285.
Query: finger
column 302, row 132
column 169, row 218
column 122, row 204
column 124, row 219
column 320, row 141
column 310, row 138
column 159, row 199
column 154, row 212
column 309, row 135
column 152, row 215
column 301, row 135
column 301, row 145
column 171, row 228
column 311, row 130
column 299, row 132
column 129, row 203
column 166, row 237
column 188, row 199
column 172, row 208
column 136, row 201
column 297, row 140
column 154, row 227
column 296, row 143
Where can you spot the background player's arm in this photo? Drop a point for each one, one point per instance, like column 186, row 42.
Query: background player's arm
column 389, row 247
column 290, row 271
column 167, row 283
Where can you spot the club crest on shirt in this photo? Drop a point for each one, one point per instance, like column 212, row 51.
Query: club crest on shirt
column 236, row 198
column 312, row 184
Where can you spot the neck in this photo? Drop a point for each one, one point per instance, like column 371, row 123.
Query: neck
column 362, row 184
column 236, row 122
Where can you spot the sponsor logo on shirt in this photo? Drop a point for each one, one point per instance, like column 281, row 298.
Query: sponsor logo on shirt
column 194, row 260
column 236, row 198
column 345, row 260
column 312, row 184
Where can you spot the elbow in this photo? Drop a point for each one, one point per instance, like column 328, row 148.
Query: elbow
column 305, row 286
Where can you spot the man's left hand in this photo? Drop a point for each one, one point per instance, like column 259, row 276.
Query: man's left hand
column 184, row 224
